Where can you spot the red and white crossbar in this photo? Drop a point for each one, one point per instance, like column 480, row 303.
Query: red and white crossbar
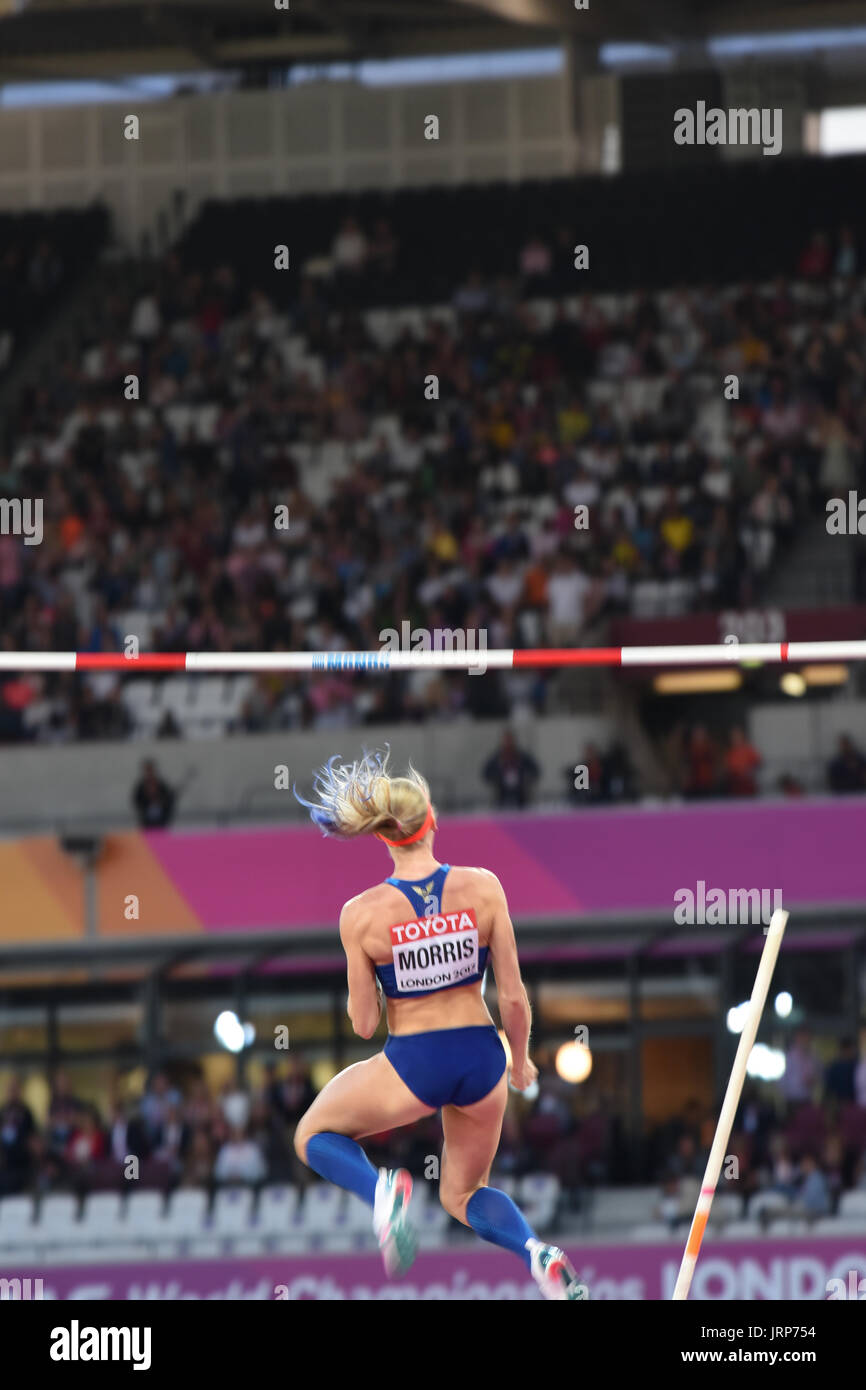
column 723, row 654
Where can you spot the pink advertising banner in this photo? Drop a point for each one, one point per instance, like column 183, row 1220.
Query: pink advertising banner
column 591, row 861
column 786, row 1270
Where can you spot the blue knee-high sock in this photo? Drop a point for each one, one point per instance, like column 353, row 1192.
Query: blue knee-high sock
column 494, row 1217
column 340, row 1160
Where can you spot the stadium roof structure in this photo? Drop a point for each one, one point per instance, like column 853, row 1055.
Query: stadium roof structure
column 53, row 40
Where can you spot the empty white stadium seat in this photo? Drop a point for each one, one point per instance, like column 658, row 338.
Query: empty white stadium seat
column 742, row 1230
column 766, row 1202
column 357, row 1217
column 16, row 1220
column 232, row 1211
column 187, row 1213
column 278, row 1203
column 321, row 1209
column 432, row 1224
column 58, row 1220
column 851, row 1204
column 623, row 1206
column 652, row 1231
column 102, row 1218
column 145, row 1214
column 727, row 1206
column 836, row 1226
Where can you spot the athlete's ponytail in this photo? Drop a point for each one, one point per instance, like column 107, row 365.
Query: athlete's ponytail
column 362, row 798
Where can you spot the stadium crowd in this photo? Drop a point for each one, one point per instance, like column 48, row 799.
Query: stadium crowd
column 804, row 1138
column 224, row 470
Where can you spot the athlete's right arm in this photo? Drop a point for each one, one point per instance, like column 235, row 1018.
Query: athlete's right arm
column 511, row 993
column 365, row 999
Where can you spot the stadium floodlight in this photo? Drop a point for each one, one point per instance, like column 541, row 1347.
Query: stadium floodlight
column 573, row 1062
column 230, row 1032
column 766, row 1063
column 783, row 1004
column 792, row 683
column 737, row 1017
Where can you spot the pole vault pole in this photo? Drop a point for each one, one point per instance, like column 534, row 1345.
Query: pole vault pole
column 775, row 932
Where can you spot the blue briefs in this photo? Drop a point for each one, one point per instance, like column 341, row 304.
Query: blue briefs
column 449, row 1066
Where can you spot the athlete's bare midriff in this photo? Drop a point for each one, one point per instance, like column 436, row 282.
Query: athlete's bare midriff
column 382, row 907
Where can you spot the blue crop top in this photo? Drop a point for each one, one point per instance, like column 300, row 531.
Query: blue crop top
column 432, row 951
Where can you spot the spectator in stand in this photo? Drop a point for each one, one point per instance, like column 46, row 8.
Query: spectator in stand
column 783, row 1173
column 814, row 263
column 741, row 762
column 802, row 1071
column 126, row 1137
column 512, row 772
column 290, row 1095
column 63, row 1110
column 672, row 1205
column 847, row 771
column 846, row 253
column 87, row 1143
column 617, row 776
column 813, row 1191
column 756, row 1120
column 173, row 1140
column 198, row 1168
column 839, row 1074
column 239, row 1159
column 860, row 1081
column 702, row 770
column 567, row 593
column 383, row 249
column 17, row 1128
column 159, row 1098
column 833, row 1163
column 535, row 261
column 349, row 249
column 154, row 800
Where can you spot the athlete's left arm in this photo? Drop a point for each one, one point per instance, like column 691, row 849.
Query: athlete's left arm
column 365, row 999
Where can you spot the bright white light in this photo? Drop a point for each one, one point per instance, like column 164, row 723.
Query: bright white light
column 784, row 1004
column 792, row 683
column 620, row 55
column 798, row 41
column 573, row 1062
column 737, row 1017
column 766, row 1063
column 462, row 67
column 842, row 130
column 249, row 1034
column 229, row 1031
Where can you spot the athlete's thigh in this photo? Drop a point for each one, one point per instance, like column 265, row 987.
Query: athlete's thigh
column 471, row 1135
column 366, row 1098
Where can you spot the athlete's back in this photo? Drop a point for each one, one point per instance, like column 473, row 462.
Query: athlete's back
column 450, row 932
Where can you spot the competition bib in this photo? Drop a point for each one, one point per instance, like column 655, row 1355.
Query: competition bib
column 432, row 952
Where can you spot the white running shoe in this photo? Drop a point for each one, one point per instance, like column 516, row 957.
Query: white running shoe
column 554, row 1274
column 395, row 1235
